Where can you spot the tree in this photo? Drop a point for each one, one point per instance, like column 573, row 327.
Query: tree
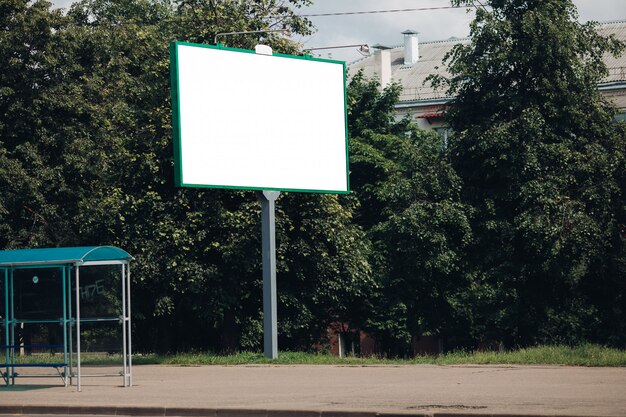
column 86, row 158
column 29, row 171
column 542, row 162
column 411, row 210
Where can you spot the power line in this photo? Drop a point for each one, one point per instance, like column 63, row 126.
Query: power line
column 383, row 11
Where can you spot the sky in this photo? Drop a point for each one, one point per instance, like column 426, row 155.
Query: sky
column 386, row 28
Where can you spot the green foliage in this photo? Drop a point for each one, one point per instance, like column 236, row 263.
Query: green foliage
column 86, row 158
column 411, row 210
column 369, row 109
column 324, row 266
column 542, row 161
column 580, row 355
column 513, row 232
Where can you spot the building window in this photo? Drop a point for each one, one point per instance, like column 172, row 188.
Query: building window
column 445, row 132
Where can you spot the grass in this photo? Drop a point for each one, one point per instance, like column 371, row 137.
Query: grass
column 583, row 355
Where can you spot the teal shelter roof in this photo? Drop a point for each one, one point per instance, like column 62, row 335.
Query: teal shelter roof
column 74, row 255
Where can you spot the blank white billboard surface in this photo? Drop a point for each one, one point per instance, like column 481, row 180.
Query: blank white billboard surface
column 249, row 121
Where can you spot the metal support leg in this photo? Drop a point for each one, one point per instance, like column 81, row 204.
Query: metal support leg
column 124, row 357
column 71, row 322
column 268, row 227
column 130, row 344
column 6, row 325
column 79, row 388
column 65, row 349
column 12, row 329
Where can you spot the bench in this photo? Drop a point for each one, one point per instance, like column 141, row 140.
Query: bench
column 5, row 375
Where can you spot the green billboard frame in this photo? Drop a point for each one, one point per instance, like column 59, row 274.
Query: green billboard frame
column 176, row 120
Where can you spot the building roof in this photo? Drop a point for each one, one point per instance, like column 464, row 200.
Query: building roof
column 615, row 65
column 412, row 77
column 61, row 256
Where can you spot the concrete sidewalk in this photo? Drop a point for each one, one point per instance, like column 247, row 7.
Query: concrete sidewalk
column 326, row 391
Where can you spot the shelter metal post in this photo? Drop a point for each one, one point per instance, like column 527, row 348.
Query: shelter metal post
column 79, row 388
column 65, row 299
column 124, row 326
column 69, row 308
column 268, row 227
column 130, row 344
column 12, row 322
column 6, row 323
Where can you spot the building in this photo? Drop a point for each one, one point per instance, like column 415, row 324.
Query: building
column 614, row 85
column 412, row 62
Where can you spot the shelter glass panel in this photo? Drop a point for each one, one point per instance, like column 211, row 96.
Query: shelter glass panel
column 38, row 293
column 100, row 292
column 42, row 342
column 99, row 338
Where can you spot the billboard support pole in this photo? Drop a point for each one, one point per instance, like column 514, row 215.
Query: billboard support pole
column 268, row 229
column 268, row 221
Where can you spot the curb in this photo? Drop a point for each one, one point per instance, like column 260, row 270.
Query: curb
column 227, row 412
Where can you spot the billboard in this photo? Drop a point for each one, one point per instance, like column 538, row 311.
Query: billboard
column 258, row 122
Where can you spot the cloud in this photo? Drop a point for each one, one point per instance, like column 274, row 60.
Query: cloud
column 385, row 28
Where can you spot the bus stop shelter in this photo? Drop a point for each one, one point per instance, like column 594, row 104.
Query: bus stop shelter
column 62, row 270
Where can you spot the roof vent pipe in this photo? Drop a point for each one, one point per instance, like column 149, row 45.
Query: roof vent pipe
column 382, row 57
column 411, row 47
